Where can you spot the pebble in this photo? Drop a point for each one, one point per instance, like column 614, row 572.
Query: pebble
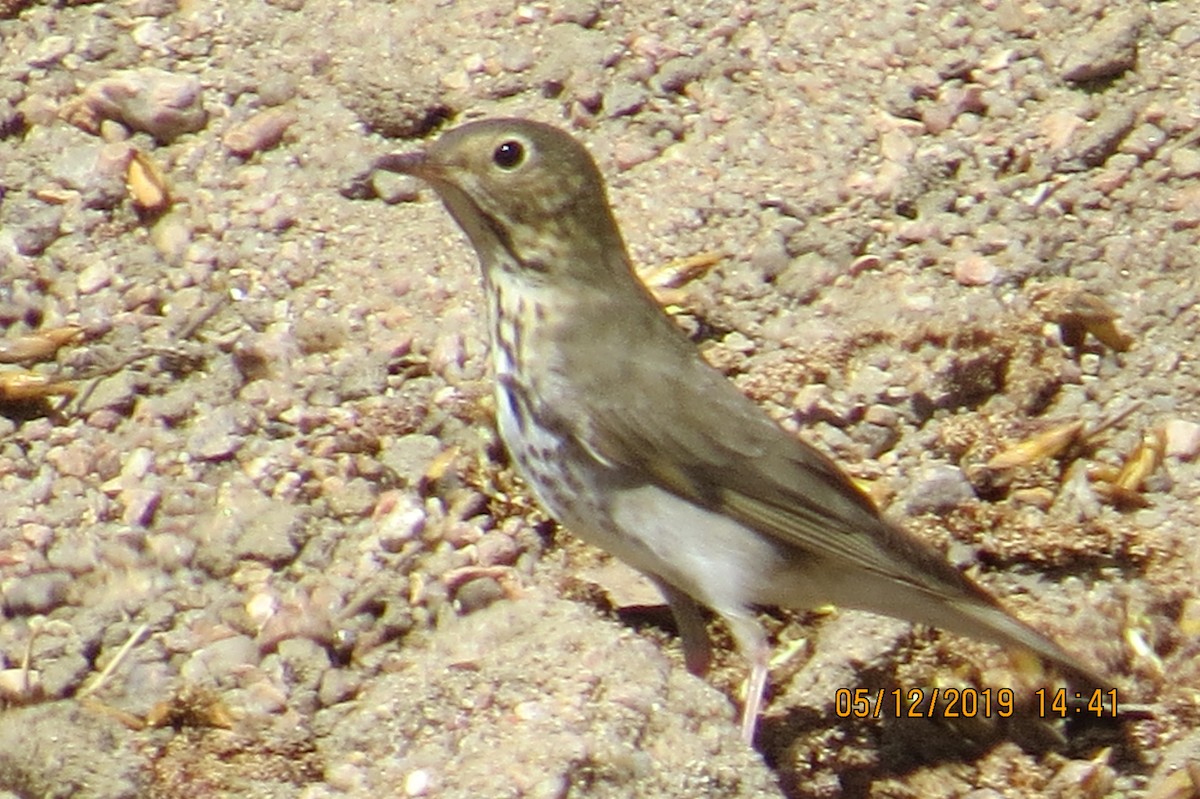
column 33, row 226
column 400, row 519
column 1185, row 163
column 166, row 105
column 348, row 777
column 495, row 548
column 36, row 593
column 1182, row 438
column 350, row 498
column 304, row 660
column 262, row 131
column 220, row 659
column 73, row 555
column 49, row 50
column 338, row 685
column 96, row 173
column 409, row 456
column 94, row 277
column 214, row 435
column 1108, row 49
column 1103, row 137
column 269, row 532
column 1086, row 779
column 418, row 783
column 881, row 415
column 64, row 674
column 938, row 489
column 975, row 270
column 139, row 505
column 877, row 438
column 477, row 594
column 117, row 392
column 170, row 552
column 277, row 89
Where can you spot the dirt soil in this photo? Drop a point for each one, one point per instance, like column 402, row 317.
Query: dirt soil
column 258, row 537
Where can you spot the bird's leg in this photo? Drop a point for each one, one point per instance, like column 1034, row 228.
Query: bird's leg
column 697, row 650
column 752, row 642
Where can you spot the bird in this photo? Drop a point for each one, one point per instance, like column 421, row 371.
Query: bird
column 632, row 441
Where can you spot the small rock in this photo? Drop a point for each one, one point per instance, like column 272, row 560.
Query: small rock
column 338, row 685
column 160, row 103
column 394, row 188
column 418, row 783
column 49, row 50
column 769, row 257
column 1185, row 163
column 938, row 489
column 353, row 498
column 623, row 99
column 277, row 89
column 676, row 74
column 140, row 505
column 975, row 270
column 362, row 376
column 260, row 132
column 94, row 277
column 1087, row 779
column 269, row 533
column 116, row 393
column 877, row 438
column 477, row 594
column 37, row 593
column 584, row 13
column 881, row 415
column 33, row 227
column 1183, row 438
column 220, row 659
column 495, row 548
column 171, row 236
column 169, row 551
column 1105, row 51
column 305, row 661
column 214, row 436
column 400, row 519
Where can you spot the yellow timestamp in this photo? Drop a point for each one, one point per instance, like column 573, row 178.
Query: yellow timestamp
column 1060, row 703
column 944, row 703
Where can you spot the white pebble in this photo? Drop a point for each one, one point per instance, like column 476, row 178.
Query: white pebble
column 417, row 783
column 1183, row 438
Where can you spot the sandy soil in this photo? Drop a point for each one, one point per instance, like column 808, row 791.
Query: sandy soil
column 257, row 535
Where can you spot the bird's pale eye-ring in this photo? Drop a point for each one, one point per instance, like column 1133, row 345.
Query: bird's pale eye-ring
column 509, row 154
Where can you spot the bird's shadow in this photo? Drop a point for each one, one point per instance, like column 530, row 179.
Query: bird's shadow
column 863, row 752
column 800, row 742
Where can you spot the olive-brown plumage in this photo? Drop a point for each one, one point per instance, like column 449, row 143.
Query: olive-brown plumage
column 632, row 441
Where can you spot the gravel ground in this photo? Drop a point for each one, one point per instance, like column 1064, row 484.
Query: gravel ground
column 258, row 536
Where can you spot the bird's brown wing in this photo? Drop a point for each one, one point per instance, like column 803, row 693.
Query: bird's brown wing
column 715, row 447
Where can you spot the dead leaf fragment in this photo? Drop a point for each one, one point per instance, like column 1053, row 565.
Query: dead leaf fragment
column 1084, row 313
column 1147, row 457
column 39, row 346
column 1047, row 444
column 147, row 185
column 679, row 272
column 23, row 386
column 1078, row 312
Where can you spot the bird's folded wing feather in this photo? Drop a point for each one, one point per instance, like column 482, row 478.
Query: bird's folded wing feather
column 713, row 446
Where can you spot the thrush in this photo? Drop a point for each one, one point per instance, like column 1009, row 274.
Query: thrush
column 632, row 441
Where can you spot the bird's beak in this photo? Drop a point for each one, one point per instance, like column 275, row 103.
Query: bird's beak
column 416, row 164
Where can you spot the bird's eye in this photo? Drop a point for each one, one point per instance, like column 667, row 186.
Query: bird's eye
column 509, row 155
